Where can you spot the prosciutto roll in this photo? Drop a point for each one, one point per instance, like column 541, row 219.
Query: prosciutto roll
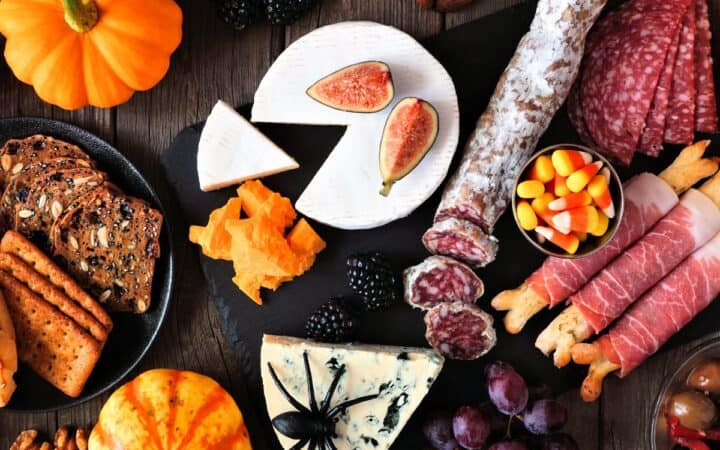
column 689, row 225
column 647, row 199
column 665, row 309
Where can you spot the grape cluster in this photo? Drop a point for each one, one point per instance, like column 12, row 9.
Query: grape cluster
column 517, row 417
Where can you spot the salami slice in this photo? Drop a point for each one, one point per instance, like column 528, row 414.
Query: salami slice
column 706, row 117
column 574, row 108
column 461, row 240
column 530, row 91
column 440, row 279
column 680, row 122
column 652, row 137
column 459, row 330
column 630, row 53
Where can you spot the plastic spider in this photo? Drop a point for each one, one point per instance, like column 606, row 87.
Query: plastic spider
column 315, row 425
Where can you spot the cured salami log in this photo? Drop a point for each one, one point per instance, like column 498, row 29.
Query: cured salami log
column 459, row 330
column 462, row 240
column 689, row 225
column 440, row 279
column 652, row 137
column 706, row 118
column 530, row 91
column 630, row 49
column 665, row 309
column 680, row 123
column 647, row 199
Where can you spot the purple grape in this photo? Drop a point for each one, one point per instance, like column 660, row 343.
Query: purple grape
column 507, row 389
column 509, row 445
column 540, row 392
column 545, row 416
column 495, row 368
column 560, row 441
column 438, row 429
column 471, row 427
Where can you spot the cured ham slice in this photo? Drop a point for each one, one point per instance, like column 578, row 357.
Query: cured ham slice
column 706, row 118
column 689, row 225
column 680, row 124
column 653, row 319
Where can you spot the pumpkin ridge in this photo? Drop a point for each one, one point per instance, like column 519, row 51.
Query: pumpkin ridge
column 240, row 435
column 108, row 89
column 213, row 400
column 48, row 74
column 149, row 422
column 173, row 404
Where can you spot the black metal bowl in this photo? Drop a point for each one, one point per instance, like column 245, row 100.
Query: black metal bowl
column 132, row 334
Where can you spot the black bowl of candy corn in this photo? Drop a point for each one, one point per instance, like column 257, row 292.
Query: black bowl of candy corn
column 568, row 201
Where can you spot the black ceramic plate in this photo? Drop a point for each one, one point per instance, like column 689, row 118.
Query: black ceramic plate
column 132, row 334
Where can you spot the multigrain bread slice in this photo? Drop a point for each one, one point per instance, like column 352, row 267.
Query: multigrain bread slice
column 8, row 354
column 50, row 342
column 16, row 244
column 44, row 288
column 109, row 243
column 18, row 153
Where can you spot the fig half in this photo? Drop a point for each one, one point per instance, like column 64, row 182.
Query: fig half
column 410, row 131
column 364, row 87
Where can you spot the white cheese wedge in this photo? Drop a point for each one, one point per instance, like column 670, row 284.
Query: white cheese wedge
column 402, row 375
column 345, row 191
column 232, row 150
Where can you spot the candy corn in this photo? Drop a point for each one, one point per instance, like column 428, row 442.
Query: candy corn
column 560, row 188
column 566, row 162
column 582, row 237
column 602, row 225
column 542, row 169
column 570, row 201
column 567, row 242
column 600, row 193
column 526, row 216
column 530, row 189
column 540, row 206
column 583, row 219
column 577, row 181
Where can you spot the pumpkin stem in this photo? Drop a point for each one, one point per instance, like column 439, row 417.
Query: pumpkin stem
column 80, row 15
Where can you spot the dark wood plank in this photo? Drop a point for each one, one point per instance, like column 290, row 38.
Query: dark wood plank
column 477, row 9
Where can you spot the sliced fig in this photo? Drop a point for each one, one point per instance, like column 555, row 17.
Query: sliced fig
column 409, row 133
column 364, row 87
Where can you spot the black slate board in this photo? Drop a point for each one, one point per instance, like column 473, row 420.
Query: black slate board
column 475, row 55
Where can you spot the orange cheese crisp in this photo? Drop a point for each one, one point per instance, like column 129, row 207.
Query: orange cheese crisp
column 262, row 256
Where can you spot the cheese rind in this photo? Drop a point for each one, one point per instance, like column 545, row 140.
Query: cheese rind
column 402, row 375
column 232, row 150
column 344, row 191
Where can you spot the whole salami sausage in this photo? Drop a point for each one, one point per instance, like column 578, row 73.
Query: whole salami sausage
column 440, row 279
column 460, row 330
column 530, row 91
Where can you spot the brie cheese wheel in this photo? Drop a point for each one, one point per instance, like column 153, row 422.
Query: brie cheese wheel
column 232, row 150
column 401, row 375
column 344, row 193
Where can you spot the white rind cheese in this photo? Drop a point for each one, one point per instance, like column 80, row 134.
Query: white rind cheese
column 232, row 150
column 402, row 375
column 345, row 191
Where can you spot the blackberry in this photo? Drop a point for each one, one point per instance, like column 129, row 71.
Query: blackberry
column 371, row 277
column 332, row 322
column 240, row 13
column 286, row 12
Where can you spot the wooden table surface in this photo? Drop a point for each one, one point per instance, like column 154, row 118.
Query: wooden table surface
column 214, row 62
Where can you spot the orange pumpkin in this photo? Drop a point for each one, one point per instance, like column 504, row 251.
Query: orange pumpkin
column 166, row 409
column 90, row 52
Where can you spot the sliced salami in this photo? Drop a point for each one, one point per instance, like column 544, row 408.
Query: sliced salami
column 706, row 117
column 652, row 137
column 440, row 279
column 461, row 240
column 574, row 109
column 460, row 330
column 680, row 121
column 630, row 52
column 529, row 93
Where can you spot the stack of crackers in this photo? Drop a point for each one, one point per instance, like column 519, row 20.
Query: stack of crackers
column 60, row 329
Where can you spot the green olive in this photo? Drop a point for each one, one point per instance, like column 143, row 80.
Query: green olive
column 694, row 409
column 706, row 377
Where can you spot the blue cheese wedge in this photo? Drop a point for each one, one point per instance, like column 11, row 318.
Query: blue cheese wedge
column 401, row 375
column 232, row 150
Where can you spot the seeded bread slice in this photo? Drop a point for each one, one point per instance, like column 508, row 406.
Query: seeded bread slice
column 50, row 193
column 18, row 153
column 109, row 243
